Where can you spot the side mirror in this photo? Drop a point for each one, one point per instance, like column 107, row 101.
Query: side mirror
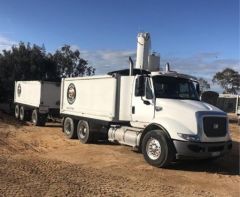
column 140, row 86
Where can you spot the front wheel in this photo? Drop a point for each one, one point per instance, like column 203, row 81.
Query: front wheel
column 157, row 149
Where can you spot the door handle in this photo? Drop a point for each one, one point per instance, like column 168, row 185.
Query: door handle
column 146, row 102
column 133, row 109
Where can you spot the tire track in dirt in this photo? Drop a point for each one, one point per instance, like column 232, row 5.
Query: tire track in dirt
column 39, row 177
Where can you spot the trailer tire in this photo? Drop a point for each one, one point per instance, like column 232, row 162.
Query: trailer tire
column 17, row 111
column 38, row 119
column 157, row 149
column 83, row 132
column 22, row 113
column 69, row 128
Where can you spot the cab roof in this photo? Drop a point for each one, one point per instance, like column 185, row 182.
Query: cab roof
column 136, row 71
column 125, row 72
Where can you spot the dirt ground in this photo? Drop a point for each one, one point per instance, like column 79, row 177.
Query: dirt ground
column 40, row 161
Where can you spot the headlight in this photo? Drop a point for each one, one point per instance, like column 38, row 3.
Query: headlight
column 193, row 138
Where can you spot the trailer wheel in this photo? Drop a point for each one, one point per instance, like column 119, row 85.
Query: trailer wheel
column 38, row 119
column 22, row 113
column 157, row 149
column 17, row 111
column 83, row 132
column 69, row 128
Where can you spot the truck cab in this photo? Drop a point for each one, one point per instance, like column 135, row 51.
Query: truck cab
column 169, row 118
column 170, row 101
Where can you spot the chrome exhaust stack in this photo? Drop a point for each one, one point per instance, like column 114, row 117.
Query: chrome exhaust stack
column 167, row 67
column 130, row 66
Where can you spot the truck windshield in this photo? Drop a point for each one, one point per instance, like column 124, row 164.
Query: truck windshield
column 175, row 88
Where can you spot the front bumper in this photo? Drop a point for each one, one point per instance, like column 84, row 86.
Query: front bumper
column 201, row 150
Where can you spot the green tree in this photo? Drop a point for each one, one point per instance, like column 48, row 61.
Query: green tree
column 22, row 62
column 229, row 80
column 204, row 85
column 70, row 64
column 31, row 62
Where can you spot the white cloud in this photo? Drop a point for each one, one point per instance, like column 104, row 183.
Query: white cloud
column 203, row 65
column 107, row 60
column 6, row 43
column 200, row 65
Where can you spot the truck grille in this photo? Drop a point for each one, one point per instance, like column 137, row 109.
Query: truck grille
column 215, row 126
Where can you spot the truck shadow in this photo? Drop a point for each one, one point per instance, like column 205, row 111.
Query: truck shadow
column 105, row 143
column 53, row 125
column 227, row 165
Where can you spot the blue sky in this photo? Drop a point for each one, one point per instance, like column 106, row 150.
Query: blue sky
column 198, row 37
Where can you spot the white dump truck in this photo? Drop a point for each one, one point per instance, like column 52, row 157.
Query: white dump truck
column 158, row 113
column 36, row 100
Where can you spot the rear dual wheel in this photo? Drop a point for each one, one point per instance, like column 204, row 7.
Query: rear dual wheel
column 69, row 128
column 83, row 132
column 80, row 129
column 21, row 113
column 17, row 111
column 38, row 119
column 25, row 115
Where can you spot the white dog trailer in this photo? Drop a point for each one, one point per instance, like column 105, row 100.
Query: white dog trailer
column 36, row 100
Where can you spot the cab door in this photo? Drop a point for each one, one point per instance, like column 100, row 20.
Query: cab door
column 143, row 102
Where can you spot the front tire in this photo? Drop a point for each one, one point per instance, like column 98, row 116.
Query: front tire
column 17, row 111
column 69, row 128
column 83, row 132
column 157, row 149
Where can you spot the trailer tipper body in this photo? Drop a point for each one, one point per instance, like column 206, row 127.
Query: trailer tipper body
column 36, row 100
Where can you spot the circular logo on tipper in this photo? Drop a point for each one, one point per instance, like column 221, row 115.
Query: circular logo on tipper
column 71, row 93
column 19, row 90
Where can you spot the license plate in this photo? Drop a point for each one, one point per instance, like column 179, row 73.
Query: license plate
column 214, row 154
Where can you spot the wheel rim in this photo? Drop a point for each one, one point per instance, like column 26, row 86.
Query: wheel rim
column 16, row 111
column 67, row 127
column 34, row 117
column 82, row 131
column 153, row 148
column 21, row 113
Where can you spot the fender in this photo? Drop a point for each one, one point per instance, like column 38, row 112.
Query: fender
column 173, row 126
column 170, row 126
column 150, row 127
